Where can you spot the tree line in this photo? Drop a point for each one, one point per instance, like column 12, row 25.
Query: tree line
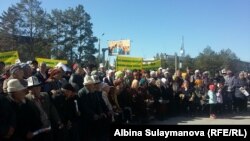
column 35, row 32
column 207, row 60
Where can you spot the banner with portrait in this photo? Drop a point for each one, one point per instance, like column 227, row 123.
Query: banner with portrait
column 120, row 47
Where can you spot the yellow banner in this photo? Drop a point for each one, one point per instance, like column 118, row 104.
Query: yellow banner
column 151, row 65
column 9, row 57
column 51, row 62
column 131, row 63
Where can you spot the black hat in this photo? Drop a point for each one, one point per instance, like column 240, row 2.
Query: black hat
column 69, row 87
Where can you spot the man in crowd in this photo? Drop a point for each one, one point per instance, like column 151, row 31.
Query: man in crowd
column 92, row 109
column 76, row 79
column 27, row 115
column 109, row 79
column 7, row 119
column 34, row 66
column 48, row 113
column 230, row 82
column 16, row 72
column 67, row 107
column 42, row 75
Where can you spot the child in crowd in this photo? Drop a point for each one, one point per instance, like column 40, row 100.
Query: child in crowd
column 212, row 101
column 219, row 98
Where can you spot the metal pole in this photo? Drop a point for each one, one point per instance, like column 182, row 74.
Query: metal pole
column 103, row 55
column 99, row 52
column 175, row 61
column 103, row 51
column 99, row 46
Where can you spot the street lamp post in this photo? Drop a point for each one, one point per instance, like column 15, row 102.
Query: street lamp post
column 181, row 58
column 182, row 53
column 103, row 55
column 99, row 48
column 176, row 61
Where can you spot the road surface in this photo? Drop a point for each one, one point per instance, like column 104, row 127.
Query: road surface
column 232, row 119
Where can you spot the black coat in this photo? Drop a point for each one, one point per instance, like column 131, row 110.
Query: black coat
column 7, row 116
column 155, row 92
column 125, row 98
column 66, row 108
column 108, row 81
column 48, row 108
column 76, row 81
column 91, row 104
column 41, row 79
column 27, row 119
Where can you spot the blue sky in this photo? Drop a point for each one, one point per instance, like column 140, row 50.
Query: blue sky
column 158, row 25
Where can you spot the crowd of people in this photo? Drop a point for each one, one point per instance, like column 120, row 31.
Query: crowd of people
column 39, row 103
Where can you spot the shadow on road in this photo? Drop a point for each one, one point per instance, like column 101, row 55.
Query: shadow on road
column 228, row 119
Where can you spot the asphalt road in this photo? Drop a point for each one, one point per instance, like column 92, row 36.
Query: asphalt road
column 231, row 119
column 228, row 119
